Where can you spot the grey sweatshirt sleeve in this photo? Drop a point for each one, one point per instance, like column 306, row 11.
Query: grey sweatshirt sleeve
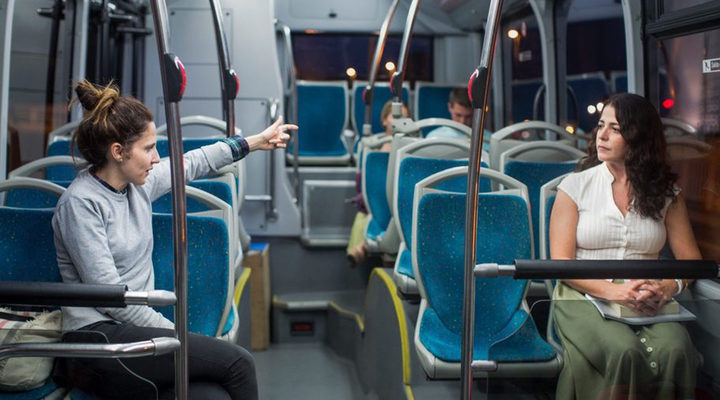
column 84, row 255
column 198, row 163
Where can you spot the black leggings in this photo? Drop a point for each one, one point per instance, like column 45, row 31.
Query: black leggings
column 217, row 369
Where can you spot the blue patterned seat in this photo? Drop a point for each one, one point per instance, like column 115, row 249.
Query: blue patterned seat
column 61, row 147
column 209, row 285
column 546, row 200
column 27, row 253
column 413, row 163
column 412, row 170
column 374, row 178
column 503, row 330
column 322, row 117
column 381, row 95
column 534, row 174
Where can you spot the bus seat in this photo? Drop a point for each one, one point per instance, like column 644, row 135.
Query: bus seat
column 27, row 252
column 412, row 170
column 414, row 162
column 209, row 280
column 381, row 95
column 322, row 117
column 431, row 100
column 374, row 175
column 502, row 140
column 546, row 200
column 534, row 174
column 27, row 249
column 504, row 332
column 203, row 198
column 61, row 172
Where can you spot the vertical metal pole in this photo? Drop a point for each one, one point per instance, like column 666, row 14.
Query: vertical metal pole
column 6, row 15
column 369, row 91
column 81, row 13
column 479, row 91
column 52, row 69
column 396, row 81
column 172, row 115
column 228, row 78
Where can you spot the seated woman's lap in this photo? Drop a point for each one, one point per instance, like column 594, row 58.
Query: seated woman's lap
column 210, row 360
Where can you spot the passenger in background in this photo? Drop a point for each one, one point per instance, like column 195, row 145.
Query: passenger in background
column 623, row 204
column 356, row 250
column 103, row 234
column 460, row 110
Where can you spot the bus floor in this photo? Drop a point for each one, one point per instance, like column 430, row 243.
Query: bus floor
column 314, row 371
column 305, row 371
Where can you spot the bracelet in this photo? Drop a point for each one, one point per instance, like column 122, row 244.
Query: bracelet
column 680, row 286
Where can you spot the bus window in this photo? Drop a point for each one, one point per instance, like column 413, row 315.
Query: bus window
column 523, row 53
column 595, row 49
column 328, row 56
column 690, row 94
column 675, row 5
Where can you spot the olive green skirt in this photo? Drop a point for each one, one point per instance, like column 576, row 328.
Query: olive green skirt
column 606, row 359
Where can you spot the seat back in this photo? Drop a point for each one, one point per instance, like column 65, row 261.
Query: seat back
column 322, row 116
column 503, row 235
column 27, row 246
column 381, row 96
column 411, row 171
column 534, row 174
column 431, row 100
column 34, row 198
column 208, row 260
column 63, row 171
column 27, row 249
column 502, row 140
column 163, row 145
column 547, row 195
column 374, row 179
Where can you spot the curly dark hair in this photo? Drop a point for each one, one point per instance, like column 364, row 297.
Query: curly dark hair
column 649, row 174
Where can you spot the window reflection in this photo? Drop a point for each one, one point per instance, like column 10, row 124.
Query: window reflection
column 690, row 101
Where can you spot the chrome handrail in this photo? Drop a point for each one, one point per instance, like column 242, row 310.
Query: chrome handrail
column 369, row 91
column 479, row 90
column 171, row 63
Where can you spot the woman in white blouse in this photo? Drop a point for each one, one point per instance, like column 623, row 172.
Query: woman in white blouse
column 622, row 204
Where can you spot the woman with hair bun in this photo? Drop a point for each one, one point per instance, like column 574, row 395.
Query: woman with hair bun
column 103, row 234
column 622, row 204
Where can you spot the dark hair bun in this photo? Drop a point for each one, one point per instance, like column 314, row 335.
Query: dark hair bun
column 97, row 100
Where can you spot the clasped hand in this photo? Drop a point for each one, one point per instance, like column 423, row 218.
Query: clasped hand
column 645, row 296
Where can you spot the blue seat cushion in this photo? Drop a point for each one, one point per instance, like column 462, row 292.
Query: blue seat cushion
column 414, row 169
column 404, row 265
column 376, row 166
column 374, row 231
column 534, row 175
column 229, row 323
column 208, row 268
column 517, row 341
column 321, row 118
column 380, row 96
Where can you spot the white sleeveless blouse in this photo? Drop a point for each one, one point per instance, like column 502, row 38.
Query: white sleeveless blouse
column 602, row 231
